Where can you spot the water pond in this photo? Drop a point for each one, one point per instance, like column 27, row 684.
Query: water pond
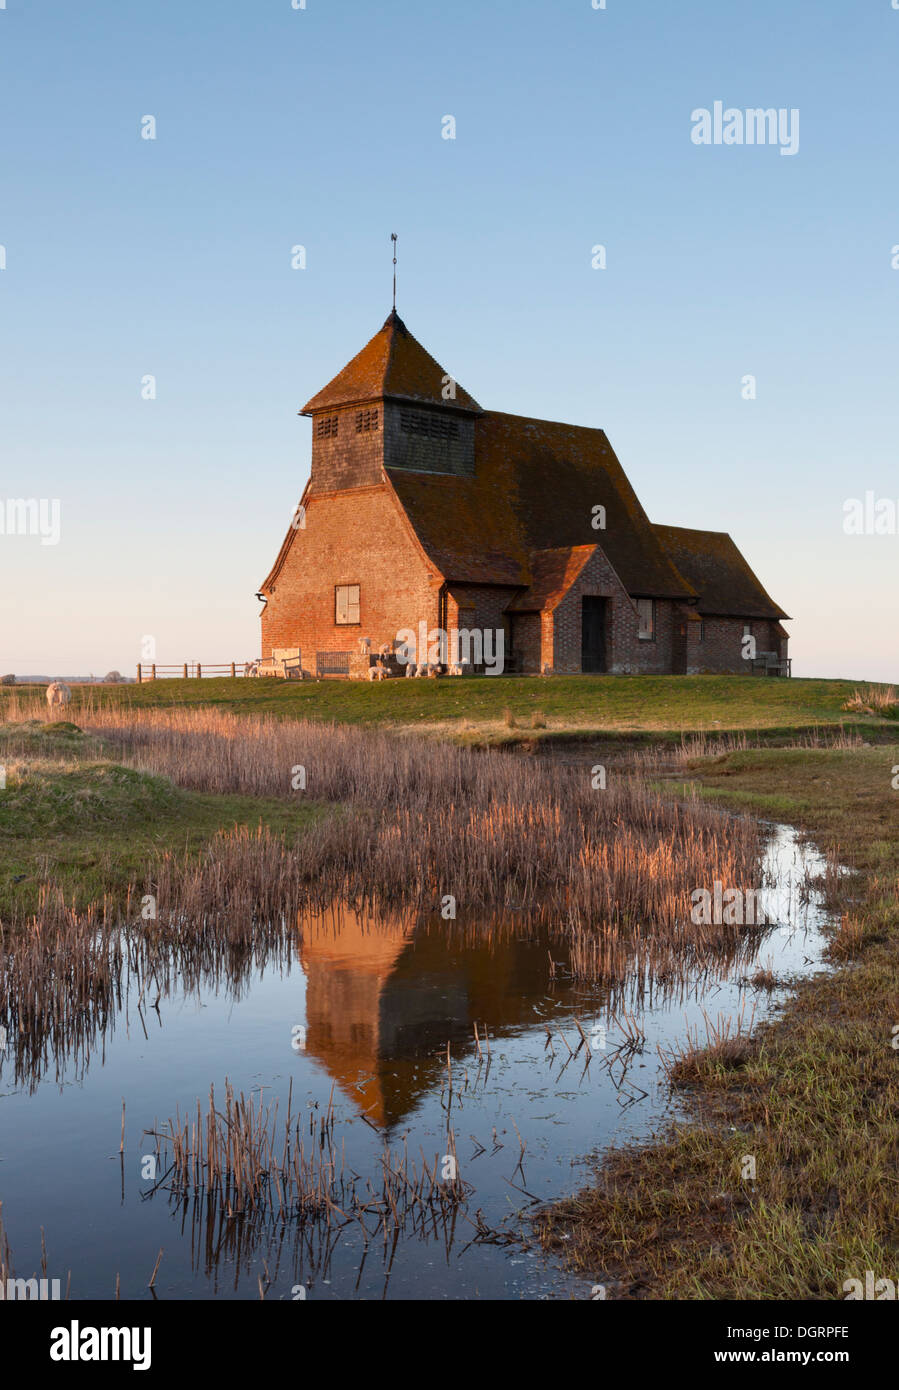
column 350, row 1024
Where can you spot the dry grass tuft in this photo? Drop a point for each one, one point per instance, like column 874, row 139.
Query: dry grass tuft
column 765, row 979
column 847, row 941
column 726, row 1046
column 872, row 699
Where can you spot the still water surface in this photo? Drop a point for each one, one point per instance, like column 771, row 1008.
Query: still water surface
column 378, row 1006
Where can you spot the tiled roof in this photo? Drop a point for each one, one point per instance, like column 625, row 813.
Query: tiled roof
column 552, row 574
column 392, row 363
column 535, row 488
column 727, row 587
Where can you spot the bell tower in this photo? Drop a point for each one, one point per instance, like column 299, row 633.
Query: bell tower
column 392, row 406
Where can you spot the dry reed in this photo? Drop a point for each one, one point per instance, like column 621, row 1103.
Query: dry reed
column 244, row 1162
column 872, row 699
column 432, row 819
column 608, row 873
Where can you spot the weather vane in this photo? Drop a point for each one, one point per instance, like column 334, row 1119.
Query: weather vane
column 393, row 239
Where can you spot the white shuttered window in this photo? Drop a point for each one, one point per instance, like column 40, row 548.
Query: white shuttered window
column 346, row 603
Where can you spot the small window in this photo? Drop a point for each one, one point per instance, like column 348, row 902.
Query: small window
column 327, row 427
column 701, row 630
column 366, row 420
column 346, row 604
column 646, row 619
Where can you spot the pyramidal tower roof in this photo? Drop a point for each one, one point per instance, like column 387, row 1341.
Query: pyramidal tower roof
column 395, row 364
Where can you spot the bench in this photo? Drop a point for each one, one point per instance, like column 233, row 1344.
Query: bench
column 771, row 664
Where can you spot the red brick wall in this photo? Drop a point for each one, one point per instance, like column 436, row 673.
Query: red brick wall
column 482, row 607
column 356, row 536
column 722, row 647
column 359, row 535
column 625, row 652
column 527, row 641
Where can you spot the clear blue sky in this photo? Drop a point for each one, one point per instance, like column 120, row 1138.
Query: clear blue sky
column 322, row 127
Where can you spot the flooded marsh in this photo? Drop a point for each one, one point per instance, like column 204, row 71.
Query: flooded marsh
column 332, row 1087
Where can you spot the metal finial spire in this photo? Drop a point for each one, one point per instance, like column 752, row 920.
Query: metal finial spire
column 393, row 239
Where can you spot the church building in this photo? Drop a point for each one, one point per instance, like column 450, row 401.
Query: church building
column 424, row 508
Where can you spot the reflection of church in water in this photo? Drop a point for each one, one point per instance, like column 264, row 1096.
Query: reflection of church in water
column 382, row 1001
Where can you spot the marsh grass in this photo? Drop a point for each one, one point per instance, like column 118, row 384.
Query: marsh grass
column 244, row 1161
column 408, row 821
column 74, row 818
column 814, row 1097
column 424, row 819
column 701, row 750
column 765, row 979
column 419, row 820
column 874, row 699
column 725, row 1045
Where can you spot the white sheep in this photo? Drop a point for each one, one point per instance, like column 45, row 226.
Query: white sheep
column 378, row 672
column 364, row 646
column 411, row 669
column 58, row 693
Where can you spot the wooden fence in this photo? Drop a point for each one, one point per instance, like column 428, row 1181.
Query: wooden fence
column 188, row 670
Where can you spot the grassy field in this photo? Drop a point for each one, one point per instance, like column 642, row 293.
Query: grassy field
column 71, row 816
column 480, row 709
column 814, row 1098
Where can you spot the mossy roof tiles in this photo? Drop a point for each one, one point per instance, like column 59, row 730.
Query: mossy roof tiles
column 536, row 487
column 392, row 364
column 726, row 585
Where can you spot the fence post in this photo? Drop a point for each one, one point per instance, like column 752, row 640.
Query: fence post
column 138, row 673
column 233, row 672
column 153, row 670
column 199, row 670
column 185, row 670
